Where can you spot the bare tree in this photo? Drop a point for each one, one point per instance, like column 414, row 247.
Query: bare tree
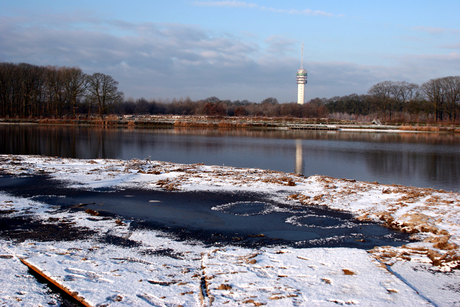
column 270, row 107
column 435, row 93
column 381, row 92
column 103, row 90
column 315, row 108
column 30, row 81
column 451, row 90
column 75, row 82
column 8, row 88
column 55, row 89
column 403, row 91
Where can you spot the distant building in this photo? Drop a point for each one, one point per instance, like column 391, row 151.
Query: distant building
column 301, row 81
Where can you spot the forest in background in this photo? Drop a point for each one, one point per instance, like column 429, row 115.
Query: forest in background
column 30, row 91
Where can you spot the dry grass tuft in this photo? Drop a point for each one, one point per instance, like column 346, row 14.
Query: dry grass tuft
column 168, row 185
column 224, row 287
column 92, row 212
column 348, row 272
column 251, row 301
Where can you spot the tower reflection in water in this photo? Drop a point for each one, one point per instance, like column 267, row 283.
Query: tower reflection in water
column 299, row 166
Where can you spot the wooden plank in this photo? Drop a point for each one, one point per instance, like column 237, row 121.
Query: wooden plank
column 64, row 289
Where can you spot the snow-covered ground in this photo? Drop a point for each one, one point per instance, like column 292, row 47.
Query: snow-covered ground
column 161, row 271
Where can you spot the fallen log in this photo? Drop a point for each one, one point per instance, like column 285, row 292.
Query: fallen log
column 62, row 288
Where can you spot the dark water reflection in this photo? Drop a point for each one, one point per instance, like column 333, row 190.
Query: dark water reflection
column 416, row 159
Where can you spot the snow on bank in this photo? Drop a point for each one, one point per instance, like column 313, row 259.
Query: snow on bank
column 160, row 271
column 164, row 272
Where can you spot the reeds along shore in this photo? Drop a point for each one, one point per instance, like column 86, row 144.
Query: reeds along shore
column 229, row 123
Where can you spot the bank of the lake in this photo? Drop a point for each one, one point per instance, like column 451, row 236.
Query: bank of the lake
column 155, row 121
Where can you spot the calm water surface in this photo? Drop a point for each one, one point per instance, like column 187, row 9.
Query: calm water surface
column 415, row 159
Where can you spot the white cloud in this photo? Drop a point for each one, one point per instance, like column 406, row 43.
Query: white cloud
column 436, row 30
column 451, row 46
column 428, row 66
column 225, row 3
column 280, row 45
column 308, row 12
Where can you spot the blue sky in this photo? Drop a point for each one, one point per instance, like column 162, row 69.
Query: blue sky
column 237, row 49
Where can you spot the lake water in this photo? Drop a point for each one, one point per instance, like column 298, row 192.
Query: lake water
column 414, row 159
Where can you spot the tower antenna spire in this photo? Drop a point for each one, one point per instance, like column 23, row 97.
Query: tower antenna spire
column 301, row 59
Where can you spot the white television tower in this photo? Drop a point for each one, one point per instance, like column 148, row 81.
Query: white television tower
column 301, row 81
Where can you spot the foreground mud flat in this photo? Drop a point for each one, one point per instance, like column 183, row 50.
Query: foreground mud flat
column 111, row 264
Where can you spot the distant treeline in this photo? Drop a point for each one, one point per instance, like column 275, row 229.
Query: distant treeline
column 30, row 91
column 34, row 91
column 213, row 106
